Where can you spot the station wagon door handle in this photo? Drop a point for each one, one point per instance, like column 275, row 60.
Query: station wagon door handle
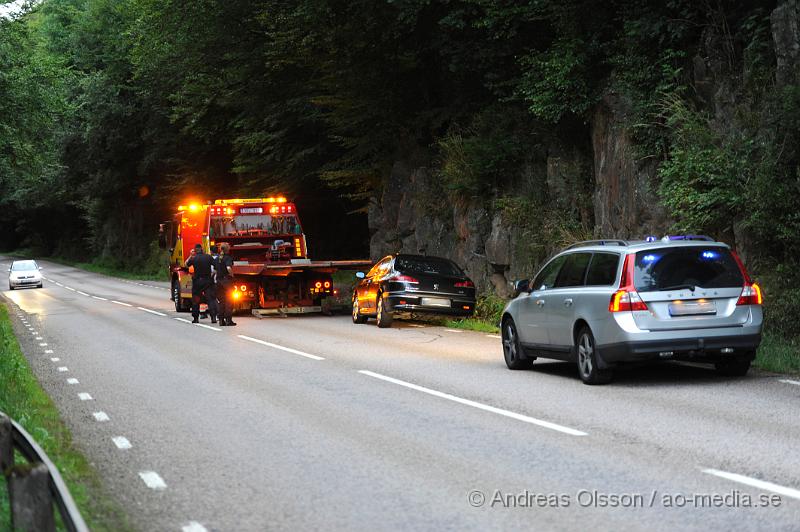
column 540, row 302
column 568, row 302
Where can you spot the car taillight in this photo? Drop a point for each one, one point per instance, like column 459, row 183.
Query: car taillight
column 751, row 292
column 404, row 279
column 751, row 295
column 464, row 284
column 626, row 298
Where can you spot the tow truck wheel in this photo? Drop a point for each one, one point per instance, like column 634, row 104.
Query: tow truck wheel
column 357, row 316
column 384, row 317
column 176, row 296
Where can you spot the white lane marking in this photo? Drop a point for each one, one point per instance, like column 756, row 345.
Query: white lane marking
column 790, row 381
column 83, row 293
column 100, row 298
column 415, row 325
column 121, row 303
column 276, row 346
column 151, row 311
column 101, row 416
column 48, row 351
column 43, row 344
column 184, row 320
column 59, row 284
column 454, row 331
column 493, row 336
column 84, row 396
column 121, row 442
column 152, row 480
column 69, row 288
column 39, row 338
column 207, row 327
column 72, row 381
column 63, row 369
column 193, row 526
column 481, row 406
column 55, row 359
column 754, row 482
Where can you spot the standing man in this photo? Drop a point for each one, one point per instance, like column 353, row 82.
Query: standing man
column 225, row 285
column 202, row 283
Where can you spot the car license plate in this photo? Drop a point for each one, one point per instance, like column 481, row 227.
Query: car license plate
column 435, row 302
column 692, row 308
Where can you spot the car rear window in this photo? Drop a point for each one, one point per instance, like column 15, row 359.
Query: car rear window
column 427, row 265
column 675, row 268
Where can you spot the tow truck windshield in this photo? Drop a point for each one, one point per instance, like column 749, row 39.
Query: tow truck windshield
column 254, row 225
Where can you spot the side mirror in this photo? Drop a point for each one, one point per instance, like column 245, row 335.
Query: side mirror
column 360, row 275
column 162, row 237
column 523, row 285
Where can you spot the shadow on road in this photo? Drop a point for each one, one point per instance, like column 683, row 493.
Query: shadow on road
column 668, row 373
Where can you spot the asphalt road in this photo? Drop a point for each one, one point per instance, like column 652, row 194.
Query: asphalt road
column 313, row 423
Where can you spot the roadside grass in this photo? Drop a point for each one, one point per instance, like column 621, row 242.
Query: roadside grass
column 473, row 324
column 778, row 354
column 24, row 400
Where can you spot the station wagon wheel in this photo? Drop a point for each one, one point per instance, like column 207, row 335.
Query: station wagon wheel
column 357, row 316
column 587, row 359
column 176, row 296
column 384, row 317
column 512, row 350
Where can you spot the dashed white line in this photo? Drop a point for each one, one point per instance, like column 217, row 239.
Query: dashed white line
column 493, row 336
column 121, row 303
column 151, row 311
column 55, row 359
column 61, row 285
column 209, row 327
column 48, row 351
column 101, row 416
column 39, row 338
column 72, row 381
column 790, row 381
column 83, row 293
column 280, row 347
column 184, row 320
column 69, row 288
column 100, row 298
column 754, row 482
column 83, row 396
column 416, row 325
column 153, row 480
column 63, row 369
column 193, row 526
column 454, row 331
column 121, row 442
column 43, row 344
column 481, row 406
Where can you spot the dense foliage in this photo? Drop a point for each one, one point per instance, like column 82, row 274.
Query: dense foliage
column 111, row 109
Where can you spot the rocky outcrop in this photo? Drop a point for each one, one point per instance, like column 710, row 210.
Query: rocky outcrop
column 786, row 36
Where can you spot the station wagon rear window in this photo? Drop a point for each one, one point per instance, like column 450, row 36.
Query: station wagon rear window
column 679, row 268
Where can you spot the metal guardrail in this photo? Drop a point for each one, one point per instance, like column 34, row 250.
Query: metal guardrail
column 34, row 487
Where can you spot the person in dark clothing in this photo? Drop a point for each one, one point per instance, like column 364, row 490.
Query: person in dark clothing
column 225, row 286
column 202, row 283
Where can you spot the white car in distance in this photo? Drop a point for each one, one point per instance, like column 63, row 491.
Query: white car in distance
column 24, row 273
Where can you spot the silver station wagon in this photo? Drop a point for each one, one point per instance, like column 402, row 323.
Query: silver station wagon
column 602, row 303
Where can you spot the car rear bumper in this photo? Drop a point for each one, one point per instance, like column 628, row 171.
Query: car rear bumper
column 701, row 348
column 403, row 302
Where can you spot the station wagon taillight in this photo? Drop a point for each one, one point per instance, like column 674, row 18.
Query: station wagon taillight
column 626, row 298
column 464, row 284
column 751, row 292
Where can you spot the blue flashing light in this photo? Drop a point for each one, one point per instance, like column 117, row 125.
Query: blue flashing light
column 710, row 255
column 650, row 238
column 649, row 259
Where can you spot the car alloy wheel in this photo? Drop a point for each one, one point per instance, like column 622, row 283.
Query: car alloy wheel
column 512, row 350
column 357, row 316
column 587, row 359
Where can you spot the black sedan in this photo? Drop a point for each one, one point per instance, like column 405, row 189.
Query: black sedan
column 412, row 283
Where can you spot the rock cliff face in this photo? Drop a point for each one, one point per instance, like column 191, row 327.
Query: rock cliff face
column 605, row 186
